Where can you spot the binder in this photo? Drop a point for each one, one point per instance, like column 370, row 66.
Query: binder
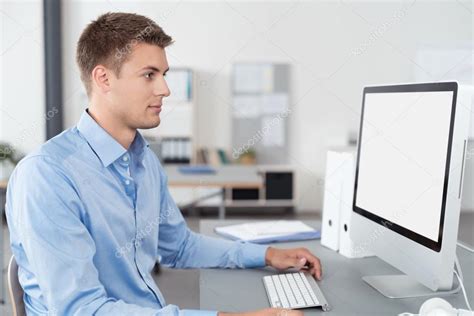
column 337, row 208
column 331, row 206
column 347, row 247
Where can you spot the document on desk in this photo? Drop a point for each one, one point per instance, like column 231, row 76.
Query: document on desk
column 197, row 169
column 269, row 231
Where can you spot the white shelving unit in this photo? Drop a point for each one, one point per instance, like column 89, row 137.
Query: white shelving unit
column 261, row 105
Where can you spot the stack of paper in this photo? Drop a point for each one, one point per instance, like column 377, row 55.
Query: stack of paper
column 269, row 231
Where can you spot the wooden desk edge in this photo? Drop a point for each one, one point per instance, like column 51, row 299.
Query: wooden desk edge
column 236, row 185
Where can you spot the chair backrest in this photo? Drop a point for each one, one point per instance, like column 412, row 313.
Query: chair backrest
column 14, row 289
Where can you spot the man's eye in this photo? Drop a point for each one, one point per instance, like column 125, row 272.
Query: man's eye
column 149, row 75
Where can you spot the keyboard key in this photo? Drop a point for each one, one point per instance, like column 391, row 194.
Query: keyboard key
column 273, row 296
column 304, row 290
column 296, row 291
column 289, row 293
column 310, row 289
column 281, row 294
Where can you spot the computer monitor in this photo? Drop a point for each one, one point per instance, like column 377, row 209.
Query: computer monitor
column 408, row 183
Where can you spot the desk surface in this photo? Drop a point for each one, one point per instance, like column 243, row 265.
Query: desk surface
column 242, row 290
column 225, row 176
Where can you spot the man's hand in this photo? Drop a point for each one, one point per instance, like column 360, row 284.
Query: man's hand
column 298, row 258
column 266, row 312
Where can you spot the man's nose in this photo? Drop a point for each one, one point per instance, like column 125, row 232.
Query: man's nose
column 162, row 88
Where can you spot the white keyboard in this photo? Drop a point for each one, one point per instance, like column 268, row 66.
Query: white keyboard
column 294, row 290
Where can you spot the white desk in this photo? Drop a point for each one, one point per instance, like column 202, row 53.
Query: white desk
column 225, row 178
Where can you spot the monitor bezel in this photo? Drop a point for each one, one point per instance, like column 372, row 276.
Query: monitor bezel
column 419, row 87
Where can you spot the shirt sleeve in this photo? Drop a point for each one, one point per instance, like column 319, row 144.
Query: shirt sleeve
column 51, row 242
column 179, row 247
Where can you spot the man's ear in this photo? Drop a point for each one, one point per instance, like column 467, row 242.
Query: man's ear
column 100, row 78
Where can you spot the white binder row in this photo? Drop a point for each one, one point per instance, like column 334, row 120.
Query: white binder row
column 337, row 208
column 176, row 149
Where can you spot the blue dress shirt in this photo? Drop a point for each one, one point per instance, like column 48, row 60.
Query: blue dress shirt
column 88, row 219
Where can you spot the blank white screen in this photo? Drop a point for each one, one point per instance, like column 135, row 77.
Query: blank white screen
column 403, row 158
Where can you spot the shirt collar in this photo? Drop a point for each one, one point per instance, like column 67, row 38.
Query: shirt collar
column 104, row 145
column 138, row 146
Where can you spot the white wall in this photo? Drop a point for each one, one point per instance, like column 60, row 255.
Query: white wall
column 22, row 118
column 335, row 48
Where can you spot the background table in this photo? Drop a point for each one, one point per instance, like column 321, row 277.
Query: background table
column 224, row 178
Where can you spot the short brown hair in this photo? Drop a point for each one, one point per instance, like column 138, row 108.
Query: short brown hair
column 109, row 40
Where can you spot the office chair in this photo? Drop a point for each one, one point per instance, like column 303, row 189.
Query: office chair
column 14, row 289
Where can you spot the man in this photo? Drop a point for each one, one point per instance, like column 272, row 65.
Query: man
column 90, row 212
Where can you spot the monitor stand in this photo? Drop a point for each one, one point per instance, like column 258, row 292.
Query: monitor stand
column 466, row 234
column 402, row 286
